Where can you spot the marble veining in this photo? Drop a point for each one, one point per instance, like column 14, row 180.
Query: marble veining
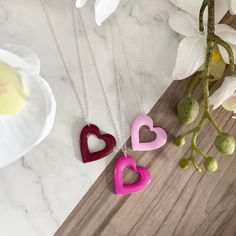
column 38, row 191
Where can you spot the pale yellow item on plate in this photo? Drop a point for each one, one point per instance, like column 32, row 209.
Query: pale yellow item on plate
column 13, row 96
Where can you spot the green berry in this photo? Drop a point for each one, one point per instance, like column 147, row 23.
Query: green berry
column 180, row 141
column 187, row 110
column 184, row 164
column 225, row 143
column 210, row 164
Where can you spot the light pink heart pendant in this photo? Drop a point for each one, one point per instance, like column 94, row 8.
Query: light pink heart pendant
column 145, row 120
column 144, row 176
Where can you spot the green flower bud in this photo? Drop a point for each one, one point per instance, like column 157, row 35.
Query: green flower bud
column 187, row 110
column 180, row 141
column 225, row 143
column 184, row 164
column 210, row 164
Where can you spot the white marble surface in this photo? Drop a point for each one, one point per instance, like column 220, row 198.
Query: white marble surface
column 38, row 191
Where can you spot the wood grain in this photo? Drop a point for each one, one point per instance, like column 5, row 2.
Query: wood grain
column 177, row 202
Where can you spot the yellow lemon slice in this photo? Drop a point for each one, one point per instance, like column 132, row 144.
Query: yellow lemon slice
column 12, row 93
column 230, row 103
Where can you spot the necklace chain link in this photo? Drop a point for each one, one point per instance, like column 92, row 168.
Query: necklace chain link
column 119, row 135
column 84, row 107
column 84, row 110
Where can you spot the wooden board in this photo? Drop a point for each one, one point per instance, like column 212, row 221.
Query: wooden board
column 177, row 202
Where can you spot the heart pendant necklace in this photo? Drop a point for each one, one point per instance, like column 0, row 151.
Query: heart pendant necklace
column 89, row 129
column 142, row 120
column 126, row 161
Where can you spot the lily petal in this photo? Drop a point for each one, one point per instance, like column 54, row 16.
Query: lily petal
column 21, row 132
column 230, row 103
column 225, row 54
column 184, row 24
column 224, row 92
column 15, row 61
column 190, row 57
column 193, row 7
column 226, row 32
column 80, row 3
column 26, row 54
column 104, row 8
column 51, row 110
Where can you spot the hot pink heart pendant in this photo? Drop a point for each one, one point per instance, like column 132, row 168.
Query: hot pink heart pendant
column 144, row 176
column 145, row 120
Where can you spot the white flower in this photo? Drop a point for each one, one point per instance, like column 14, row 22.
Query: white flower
column 224, row 93
column 103, row 8
column 232, row 6
column 27, row 105
column 193, row 7
column 192, row 49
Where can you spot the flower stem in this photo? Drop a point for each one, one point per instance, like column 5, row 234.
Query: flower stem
column 210, row 48
column 193, row 85
column 201, row 14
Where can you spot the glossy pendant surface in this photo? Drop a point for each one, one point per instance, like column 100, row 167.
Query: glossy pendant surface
column 88, row 156
column 145, row 120
column 122, row 188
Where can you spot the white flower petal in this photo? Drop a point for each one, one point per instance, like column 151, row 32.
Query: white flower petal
column 80, row 3
column 184, row 24
column 226, row 32
column 225, row 54
column 224, row 92
column 232, row 6
column 19, row 133
column 190, row 6
column 14, row 61
column 230, row 103
column 221, row 9
column 51, row 108
column 26, row 54
column 190, row 56
column 104, row 8
column 193, row 7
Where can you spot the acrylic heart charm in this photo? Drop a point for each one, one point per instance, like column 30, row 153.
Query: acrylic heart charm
column 109, row 140
column 144, row 120
column 122, row 188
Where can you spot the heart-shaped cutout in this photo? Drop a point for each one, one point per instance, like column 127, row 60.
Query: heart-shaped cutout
column 145, row 120
column 88, row 156
column 122, row 188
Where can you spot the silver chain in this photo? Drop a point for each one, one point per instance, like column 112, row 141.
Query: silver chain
column 119, row 94
column 139, row 98
column 84, row 107
column 74, row 86
column 138, row 102
column 142, row 60
column 108, row 105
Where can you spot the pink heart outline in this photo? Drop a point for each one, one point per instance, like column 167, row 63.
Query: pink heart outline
column 129, row 162
column 145, row 120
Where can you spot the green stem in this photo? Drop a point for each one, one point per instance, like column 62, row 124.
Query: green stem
column 192, row 158
column 184, row 135
column 194, row 84
column 211, row 41
column 201, row 14
column 212, row 121
column 210, row 48
column 197, row 149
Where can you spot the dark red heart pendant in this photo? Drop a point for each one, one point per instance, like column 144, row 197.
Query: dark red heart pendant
column 88, row 156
